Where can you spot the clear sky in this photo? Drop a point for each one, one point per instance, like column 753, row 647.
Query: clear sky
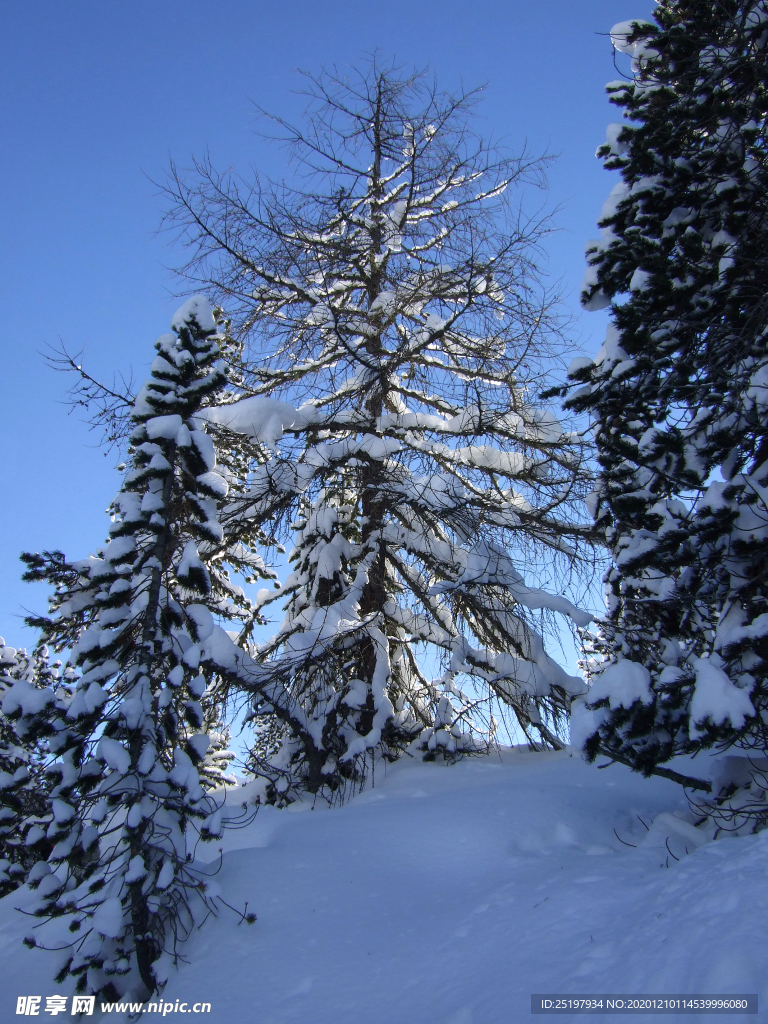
column 96, row 97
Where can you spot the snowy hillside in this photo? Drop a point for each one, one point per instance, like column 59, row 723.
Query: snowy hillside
column 450, row 894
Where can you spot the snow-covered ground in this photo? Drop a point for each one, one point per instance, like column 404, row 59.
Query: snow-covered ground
column 451, row 893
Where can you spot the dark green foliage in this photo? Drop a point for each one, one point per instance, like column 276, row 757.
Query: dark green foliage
column 128, row 764
column 25, row 811
column 679, row 392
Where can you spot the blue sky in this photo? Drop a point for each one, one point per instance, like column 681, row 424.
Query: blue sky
column 96, row 97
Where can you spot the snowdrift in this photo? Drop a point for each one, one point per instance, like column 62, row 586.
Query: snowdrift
column 451, row 893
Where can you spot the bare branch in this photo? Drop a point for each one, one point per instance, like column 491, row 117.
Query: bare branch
column 107, row 408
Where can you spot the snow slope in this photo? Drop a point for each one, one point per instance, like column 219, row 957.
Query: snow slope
column 451, row 893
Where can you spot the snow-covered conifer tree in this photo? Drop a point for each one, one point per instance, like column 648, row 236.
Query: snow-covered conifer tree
column 24, row 802
column 678, row 392
column 129, row 741
column 396, row 338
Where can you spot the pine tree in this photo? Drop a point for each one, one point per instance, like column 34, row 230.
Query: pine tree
column 678, row 390
column 395, row 337
column 129, row 741
column 25, row 809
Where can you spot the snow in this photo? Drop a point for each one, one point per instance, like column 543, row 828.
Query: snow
column 202, row 619
column 197, row 308
column 29, row 699
column 599, row 300
column 451, row 893
column 165, row 877
column 61, row 810
column 263, row 419
column 612, row 133
column 532, row 597
column 758, row 387
column 639, row 281
column 163, row 426
column 119, row 549
column 729, row 633
column 622, row 683
column 611, row 350
column 384, row 302
column 199, row 744
column 618, row 193
column 115, row 755
column 190, row 559
column 136, row 869
column 584, row 722
column 715, row 697
column 214, row 483
column 205, row 449
column 108, row 919
column 579, row 363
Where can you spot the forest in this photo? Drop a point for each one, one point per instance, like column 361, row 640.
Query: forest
column 366, row 492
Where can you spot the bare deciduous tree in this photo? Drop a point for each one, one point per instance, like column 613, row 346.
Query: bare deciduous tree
column 395, row 337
